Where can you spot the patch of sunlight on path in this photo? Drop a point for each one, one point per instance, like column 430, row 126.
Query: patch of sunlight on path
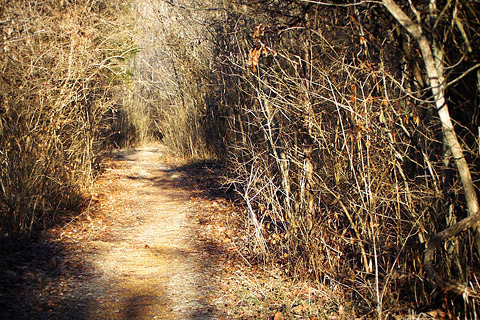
column 149, row 268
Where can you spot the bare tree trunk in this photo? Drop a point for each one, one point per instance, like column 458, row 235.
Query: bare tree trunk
column 437, row 85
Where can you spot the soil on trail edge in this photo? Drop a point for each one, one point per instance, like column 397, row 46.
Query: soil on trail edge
column 147, row 263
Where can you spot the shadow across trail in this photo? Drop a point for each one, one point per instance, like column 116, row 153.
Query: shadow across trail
column 135, row 253
column 33, row 284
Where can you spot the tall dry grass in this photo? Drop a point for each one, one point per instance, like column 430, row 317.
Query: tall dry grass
column 60, row 61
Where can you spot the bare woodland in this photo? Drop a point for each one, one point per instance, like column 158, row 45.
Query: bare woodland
column 349, row 129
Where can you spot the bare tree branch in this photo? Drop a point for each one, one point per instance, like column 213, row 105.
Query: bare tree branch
column 437, row 86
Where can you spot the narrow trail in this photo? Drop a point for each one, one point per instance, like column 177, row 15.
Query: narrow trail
column 155, row 242
column 145, row 259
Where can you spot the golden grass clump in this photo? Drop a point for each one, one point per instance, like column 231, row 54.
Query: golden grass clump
column 59, row 61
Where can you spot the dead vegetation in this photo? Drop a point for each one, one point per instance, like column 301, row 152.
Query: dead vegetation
column 334, row 140
column 60, row 61
column 331, row 117
column 173, row 76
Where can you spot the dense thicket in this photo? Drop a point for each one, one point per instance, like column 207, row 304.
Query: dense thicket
column 334, row 139
column 174, row 78
column 325, row 114
column 59, row 63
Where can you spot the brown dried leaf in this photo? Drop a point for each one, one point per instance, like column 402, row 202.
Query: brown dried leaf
column 254, row 57
column 299, row 309
column 259, row 31
column 278, row 316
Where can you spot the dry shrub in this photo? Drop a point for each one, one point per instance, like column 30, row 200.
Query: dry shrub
column 59, row 61
column 331, row 136
column 173, row 81
column 337, row 152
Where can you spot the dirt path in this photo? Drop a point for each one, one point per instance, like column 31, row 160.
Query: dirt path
column 146, row 261
column 154, row 243
column 138, row 251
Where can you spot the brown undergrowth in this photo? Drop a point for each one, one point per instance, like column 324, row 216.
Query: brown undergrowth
column 60, row 63
column 323, row 113
column 253, row 288
column 160, row 239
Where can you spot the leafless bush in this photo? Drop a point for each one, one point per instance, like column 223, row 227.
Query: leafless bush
column 333, row 140
column 337, row 151
column 59, row 61
column 172, row 77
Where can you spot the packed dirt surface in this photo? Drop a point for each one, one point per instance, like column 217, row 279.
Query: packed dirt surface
column 150, row 266
column 136, row 252
column 158, row 240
